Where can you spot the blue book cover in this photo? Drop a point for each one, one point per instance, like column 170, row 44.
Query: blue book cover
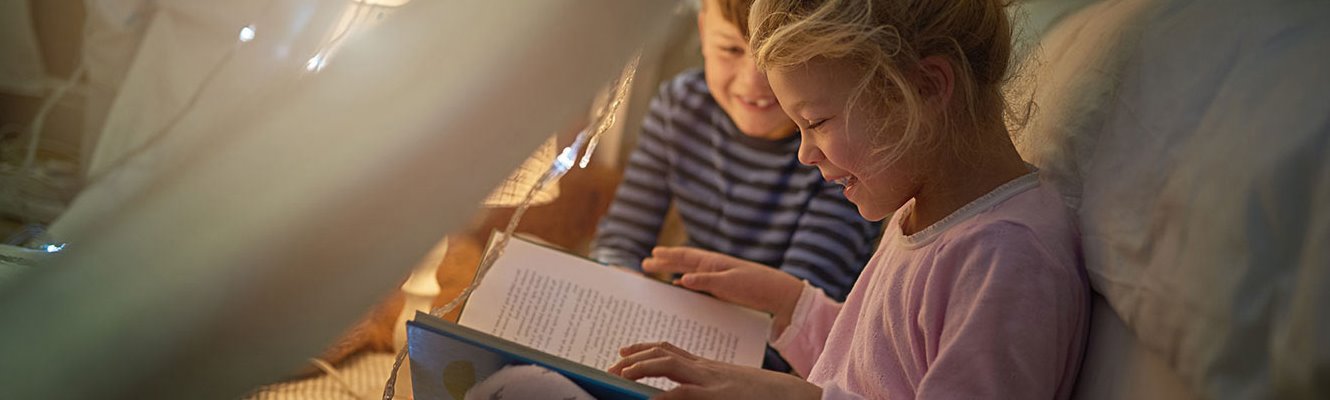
column 448, row 359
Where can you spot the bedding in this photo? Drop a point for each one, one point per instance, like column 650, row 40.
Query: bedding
column 1191, row 136
column 1119, row 366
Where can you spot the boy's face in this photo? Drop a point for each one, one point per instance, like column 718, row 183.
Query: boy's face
column 736, row 83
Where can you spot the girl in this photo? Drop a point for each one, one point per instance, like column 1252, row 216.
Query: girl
column 975, row 290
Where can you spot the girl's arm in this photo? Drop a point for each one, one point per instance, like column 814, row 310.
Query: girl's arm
column 803, row 340
column 802, row 313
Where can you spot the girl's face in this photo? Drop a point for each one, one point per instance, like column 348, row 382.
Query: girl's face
column 837, row 137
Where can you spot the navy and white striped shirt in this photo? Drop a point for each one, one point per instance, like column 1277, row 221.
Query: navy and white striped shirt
column 746, row 197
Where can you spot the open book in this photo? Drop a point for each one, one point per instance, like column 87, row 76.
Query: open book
column 575, row 309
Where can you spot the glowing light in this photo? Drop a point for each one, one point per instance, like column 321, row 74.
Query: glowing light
column 384, row 3
column 566, row 158
column 247, row 33
column 315, row 63
column 52, row 248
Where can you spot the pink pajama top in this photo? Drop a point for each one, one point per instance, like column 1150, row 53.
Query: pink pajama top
column 990, row 302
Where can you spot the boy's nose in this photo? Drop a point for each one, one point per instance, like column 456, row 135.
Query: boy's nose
column 752, row 77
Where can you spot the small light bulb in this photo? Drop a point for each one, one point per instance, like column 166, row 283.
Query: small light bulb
column 315, row 63
column 247, row 33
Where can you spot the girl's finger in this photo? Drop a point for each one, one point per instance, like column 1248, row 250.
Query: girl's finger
column 673, row 367
column 640, row 347
column 700, row 281
column 658, row 265
column 637, row 347
column 687, row 258
column 634, row 355
column 681, row 392
column 668, row 260
column 676, row 350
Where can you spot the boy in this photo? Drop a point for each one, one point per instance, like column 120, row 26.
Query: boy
column 717, row 145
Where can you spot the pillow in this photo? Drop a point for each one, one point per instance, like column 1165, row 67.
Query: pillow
column 1192, row 137
column 1207, row 197
column 1071, row 76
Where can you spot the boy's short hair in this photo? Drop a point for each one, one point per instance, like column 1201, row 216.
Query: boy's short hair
column 734, row 11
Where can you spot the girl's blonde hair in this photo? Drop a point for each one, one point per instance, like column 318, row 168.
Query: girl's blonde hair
column 887, row 39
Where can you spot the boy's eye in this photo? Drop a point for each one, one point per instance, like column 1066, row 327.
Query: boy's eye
column 814, row 124
column 733, row 50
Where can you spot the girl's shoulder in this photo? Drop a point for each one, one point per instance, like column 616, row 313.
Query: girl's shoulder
column 1032, row 228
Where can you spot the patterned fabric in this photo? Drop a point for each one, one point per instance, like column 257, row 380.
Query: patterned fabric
column 746, row 197
column 360, row 377
column 514, row 189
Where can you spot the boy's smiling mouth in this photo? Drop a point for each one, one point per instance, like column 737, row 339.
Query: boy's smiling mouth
column 758, row 102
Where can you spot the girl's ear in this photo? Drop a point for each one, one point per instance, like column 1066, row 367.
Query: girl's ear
column 939, row 78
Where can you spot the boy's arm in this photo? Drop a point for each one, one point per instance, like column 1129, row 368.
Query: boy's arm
column 630, row 228
column 831, row 243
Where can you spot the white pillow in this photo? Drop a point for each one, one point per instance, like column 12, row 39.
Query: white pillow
column 1071, row 76
column 1193, row 139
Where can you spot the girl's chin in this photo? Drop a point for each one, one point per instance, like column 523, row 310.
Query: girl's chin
column 873, row 215
column 871, row 212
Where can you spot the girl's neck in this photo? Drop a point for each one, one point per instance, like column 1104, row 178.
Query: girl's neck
column 957, row 181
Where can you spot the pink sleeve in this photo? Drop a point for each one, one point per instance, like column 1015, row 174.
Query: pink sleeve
column 1008, row 320
column 803, row 341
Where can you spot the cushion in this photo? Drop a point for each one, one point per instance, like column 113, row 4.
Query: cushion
column 1192, row 137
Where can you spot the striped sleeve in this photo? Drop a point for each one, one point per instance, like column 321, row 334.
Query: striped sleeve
column 630, row 228
column 831, row 243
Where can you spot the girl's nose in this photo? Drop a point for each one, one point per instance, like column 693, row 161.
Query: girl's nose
column 809, row 154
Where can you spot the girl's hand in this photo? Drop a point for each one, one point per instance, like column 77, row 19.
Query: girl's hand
column 738, row 281
column 700, row 378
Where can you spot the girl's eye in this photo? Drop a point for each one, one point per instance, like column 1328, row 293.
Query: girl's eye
column 733, row 50
column 814, row 124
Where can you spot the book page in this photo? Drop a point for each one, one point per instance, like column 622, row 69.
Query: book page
column 584, row 311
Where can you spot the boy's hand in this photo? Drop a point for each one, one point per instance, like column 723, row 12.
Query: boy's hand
column 738, row 281
column 700, row 378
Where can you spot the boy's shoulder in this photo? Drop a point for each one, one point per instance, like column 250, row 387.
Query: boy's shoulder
column 687, row 84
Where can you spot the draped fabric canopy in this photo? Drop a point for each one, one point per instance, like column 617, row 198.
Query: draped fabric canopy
column 265, row 173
